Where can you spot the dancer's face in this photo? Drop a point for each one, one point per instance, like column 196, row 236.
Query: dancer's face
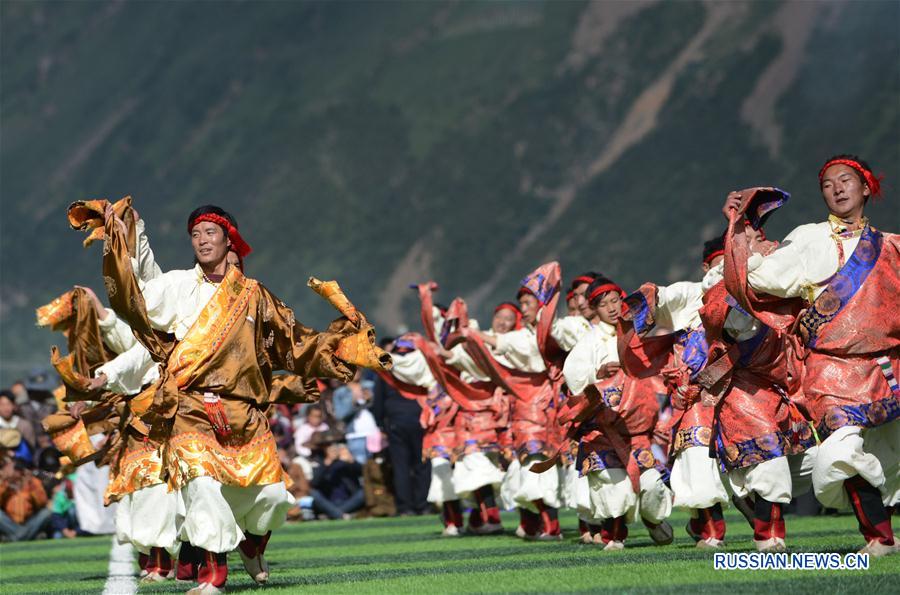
column 609, row 307
column 209, row 242
column 582, row 303
column 503, row 322
column 529, row 306
column 844, row 192
column 234, row 260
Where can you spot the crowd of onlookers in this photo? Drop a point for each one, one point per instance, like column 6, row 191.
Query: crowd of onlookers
column 356, row 452
column 36, row 497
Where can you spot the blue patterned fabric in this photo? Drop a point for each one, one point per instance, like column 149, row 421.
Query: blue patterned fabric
column 843, row 286
column 639, row 311
column 764, row 202
column 696, row 349
column 866, row 415
column 537, row 284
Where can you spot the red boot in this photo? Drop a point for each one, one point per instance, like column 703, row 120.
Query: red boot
column 550, row 530
column 251, row 550
column 613, row 533
column 768, row 526
column 873, row 517
column 159, row 566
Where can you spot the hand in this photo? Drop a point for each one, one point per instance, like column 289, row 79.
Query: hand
column 97, row 383
column 344, row 454
column 76, row 409
column 732, row 203
column 607, row 370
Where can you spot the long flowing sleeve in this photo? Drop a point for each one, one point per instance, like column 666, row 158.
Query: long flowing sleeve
column 127, row 373
column 678, row 305
column 296, row 348
column 462, row 361
column 584, row 360
column 568, row 330
column 520, row 347
column 412, row 368
column 115, row 333
column 144, row 263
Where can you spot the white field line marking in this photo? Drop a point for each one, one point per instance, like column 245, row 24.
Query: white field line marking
column 121, row 579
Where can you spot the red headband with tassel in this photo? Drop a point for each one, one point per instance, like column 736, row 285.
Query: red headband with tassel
column 241, row 248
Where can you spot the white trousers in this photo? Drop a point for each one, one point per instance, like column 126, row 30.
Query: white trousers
column 696, row 480
column 872, row 453
column 441, row 488
column 475, row 471
column 537, row 486
column 611, row 496
column 216, row 516
column 776, row 480
column 148, row 518
column 510, row 485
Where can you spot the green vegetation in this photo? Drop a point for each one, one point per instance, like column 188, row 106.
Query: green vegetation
column 342, row 133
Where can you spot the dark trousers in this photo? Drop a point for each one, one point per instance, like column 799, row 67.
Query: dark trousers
column 13, row 531
column 412, row 476
column 335, row 510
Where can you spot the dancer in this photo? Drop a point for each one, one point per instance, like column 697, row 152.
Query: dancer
column 843, row 273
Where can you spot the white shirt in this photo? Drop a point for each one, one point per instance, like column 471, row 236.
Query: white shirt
column 412, row 368
column 807, row 257
column 520, row 348
column 566, row 331
column 678, row 305
column 597, row 347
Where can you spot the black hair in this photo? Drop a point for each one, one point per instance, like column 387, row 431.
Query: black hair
column 575, row 282
column 598, row 282
column 859, row 175
column 214, row 210
column 9, row 395
column 712, row 246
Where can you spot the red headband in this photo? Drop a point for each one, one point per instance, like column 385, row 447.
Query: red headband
column 713, row 255
column 512, row 309
column 605, row 288
column 570, row 295
column 873, row 182
column 241, row 248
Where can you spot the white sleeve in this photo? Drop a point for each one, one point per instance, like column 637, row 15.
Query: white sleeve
column 129, row 371
column 521, row 350
column 783, row 272
column 144, row 263
column 568, row 330
column 462, row 361
column 116, row 334
column 161, row 300
column 580, row 367
column 412, row 368
column 678, row 304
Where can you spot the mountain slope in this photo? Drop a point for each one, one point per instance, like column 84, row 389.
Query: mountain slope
column 385, row 143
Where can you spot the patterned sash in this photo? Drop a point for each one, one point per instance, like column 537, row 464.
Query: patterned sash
column 208, row 333
column 842, row 287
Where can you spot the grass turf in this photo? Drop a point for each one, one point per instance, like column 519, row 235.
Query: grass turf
column 408, row 555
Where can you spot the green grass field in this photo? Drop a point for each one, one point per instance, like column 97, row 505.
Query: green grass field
column 407, row 555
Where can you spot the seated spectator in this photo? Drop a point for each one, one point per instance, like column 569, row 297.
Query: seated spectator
column 361, row 426
column 64, row 520
column 9, row 419
column 23, row 501
column 336, row 488
column 313, row 423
